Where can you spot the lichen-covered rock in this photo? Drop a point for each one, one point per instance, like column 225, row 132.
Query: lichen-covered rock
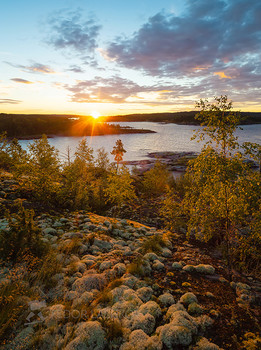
column 166, row 252
column 205, row 269
column 140, row 321
column 151, row 256
column 107, row 264
column 182, row 318
column 151, row 307
column 204, row 344
column 139, row 340
column 204, row 322
column 120, row 269
column 166, row 299
column 117, row 293
column 89, row 282
column 144, row 293
column 55, row 315
column 195, row 309
column 50, row 231
column 103, row 245
column 84, row 299
column 172, row 335
column 176, row 265
column 189, row 268
column 157, row 265
column 124, row 308
column 188, row 298
column 89, row 335
column 174, row 308
column 129, row 280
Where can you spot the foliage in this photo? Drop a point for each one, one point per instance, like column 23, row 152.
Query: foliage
column 172, row 210
column 224, row 194
column 84, row 179
column 50, row 266
column 254, row 151
column 11, row 306
column 153, row 244
column 118, row 152
column 156, row 180
column 218, row 124
column 120, row 188
column 21, row 237
column 43, row 170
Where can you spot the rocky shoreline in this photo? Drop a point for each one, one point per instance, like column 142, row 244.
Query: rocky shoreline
column 174, row 161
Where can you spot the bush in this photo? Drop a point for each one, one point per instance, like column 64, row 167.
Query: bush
column 21, row 236
column 153, row 244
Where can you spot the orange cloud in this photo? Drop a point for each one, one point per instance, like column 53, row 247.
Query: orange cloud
column 222, row 75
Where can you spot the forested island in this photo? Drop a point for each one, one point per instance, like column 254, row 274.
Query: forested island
column 34, row 125
column 28, row 126
column 185, row 118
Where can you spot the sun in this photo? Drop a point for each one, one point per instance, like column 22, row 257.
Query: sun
column 95, row 114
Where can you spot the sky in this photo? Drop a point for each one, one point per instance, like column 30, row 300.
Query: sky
column 121, row 57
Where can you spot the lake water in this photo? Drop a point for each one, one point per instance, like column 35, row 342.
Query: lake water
column 169, row 137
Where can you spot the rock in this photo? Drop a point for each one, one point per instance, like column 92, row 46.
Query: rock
column 144, row 293
column 89, row 282
column 89, row 335
column 195, row 309
column 188, row 298
column 125, row 308
column 172, row 335
column 189, row 268
column 56, row 315
column 151, row 307
column 84, row 299
column 151, row 256
column 140, row 321
column 166, row 299
column 22, row 341
column 50, row 231
column 107, row 264
column 166, row 252
column 174, row 308
column 176, row 266
column 205, row 269
column 120, row 269
column 204, row 322
column 204, row 344
column 137, row 340
column 157, row 265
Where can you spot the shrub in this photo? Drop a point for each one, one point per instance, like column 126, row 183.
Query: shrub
column 153, row 244
column 21, row 236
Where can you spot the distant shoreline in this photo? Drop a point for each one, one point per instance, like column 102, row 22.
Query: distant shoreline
column 50, row 136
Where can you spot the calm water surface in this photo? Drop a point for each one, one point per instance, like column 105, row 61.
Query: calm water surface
column 169, row 137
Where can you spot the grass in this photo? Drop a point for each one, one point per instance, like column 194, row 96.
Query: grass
column 50, row 267
column 153, row 244
column 72, row 247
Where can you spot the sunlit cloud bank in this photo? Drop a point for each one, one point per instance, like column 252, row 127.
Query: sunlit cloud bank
column 170, row 60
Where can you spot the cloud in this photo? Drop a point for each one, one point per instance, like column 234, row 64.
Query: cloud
column 222, row 75
column 9, row 101
column 75, row 69
column 116, row 90
column 69, row 31
column 33, row 68
column 208, row 34
column 23, row 81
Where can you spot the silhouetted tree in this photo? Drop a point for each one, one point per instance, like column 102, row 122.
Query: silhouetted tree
column 118, row 152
